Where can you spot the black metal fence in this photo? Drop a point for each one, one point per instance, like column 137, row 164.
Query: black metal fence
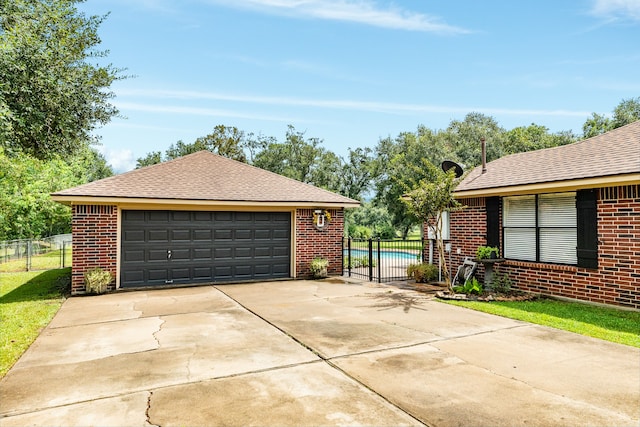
column 35, row 254
column 381, row 260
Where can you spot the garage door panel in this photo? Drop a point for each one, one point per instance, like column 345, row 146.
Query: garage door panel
column 245, row 253
column 157, row 216
column 180, row 216
column 205, row 247
column 223, row 235
column 133, row 255
column 133, row 236
column 243, row 235
column 157, row 255
column 180, row 254
column 202, row 272
column 223, row 253
column 202, row 235
column 158, row 235
column 203, row 254
column 281, row 234
column 158, row 274
column 183, row 235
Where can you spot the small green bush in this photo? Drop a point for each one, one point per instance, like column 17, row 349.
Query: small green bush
column 423, row 273
column 501, row 283
column 96, row 280
column 318, row 267
column 471, row 286
column 487, row 252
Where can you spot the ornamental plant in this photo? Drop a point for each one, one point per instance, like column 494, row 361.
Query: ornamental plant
column 97, row 280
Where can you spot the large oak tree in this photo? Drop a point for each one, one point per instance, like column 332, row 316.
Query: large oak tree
column 53, row 93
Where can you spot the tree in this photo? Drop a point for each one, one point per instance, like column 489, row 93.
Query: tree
column 534, row 137
column 428, row 201
column 225, row 141
column 51, row 96
column 627, row 111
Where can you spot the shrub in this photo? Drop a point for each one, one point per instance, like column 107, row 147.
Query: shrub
column 423, row 273
column 487, row 252
column 96, row 280
column 471, row 286
column 501, row 283
column 318, row 267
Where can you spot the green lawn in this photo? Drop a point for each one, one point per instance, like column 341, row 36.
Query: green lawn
column 619, row 326
column 28, row 302
column 46, row 261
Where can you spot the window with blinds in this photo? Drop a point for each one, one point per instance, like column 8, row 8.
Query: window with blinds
column 541, row 228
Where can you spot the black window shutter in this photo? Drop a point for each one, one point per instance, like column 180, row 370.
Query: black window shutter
column 493, row 221
column 587, row 213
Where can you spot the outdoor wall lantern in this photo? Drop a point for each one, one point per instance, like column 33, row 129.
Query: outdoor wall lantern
column 321, row 218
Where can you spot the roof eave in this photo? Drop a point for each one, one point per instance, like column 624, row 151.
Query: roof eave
column 552, row 187
column 126, row 202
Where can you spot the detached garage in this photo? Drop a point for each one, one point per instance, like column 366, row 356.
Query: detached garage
column 201, row 219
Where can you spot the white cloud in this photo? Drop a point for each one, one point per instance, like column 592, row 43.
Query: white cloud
column 336, row 104
column 617, row 9
column 121, row 160
column 365, row 12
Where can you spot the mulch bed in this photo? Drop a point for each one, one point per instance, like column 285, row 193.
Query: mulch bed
column 489, row 296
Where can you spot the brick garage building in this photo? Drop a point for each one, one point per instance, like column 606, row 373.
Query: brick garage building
column 202, row 218
column 566, row 219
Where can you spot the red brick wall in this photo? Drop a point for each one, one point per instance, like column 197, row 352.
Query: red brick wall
column 312, row 243
column 468, row 230
column 615, row 282
column 95, row 234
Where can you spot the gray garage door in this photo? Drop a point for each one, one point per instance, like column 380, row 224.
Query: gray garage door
column 180, row 247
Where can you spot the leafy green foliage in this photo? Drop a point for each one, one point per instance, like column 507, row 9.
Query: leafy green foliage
column 471, row 286
column 26, row 209
column 487, row 252
column 423, row 273
column 51, row 97
column 97, row 280
column 501, row 283
column 627, row 111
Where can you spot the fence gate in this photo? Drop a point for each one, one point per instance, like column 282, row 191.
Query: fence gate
column 381, row 260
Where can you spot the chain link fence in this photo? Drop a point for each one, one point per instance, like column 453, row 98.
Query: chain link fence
column 35, row 254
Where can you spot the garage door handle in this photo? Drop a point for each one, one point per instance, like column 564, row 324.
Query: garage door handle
column 168, row 254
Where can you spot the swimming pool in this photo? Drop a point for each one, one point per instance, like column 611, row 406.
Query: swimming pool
column 358, row 253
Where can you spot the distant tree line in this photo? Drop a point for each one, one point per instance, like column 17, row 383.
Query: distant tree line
column 378, row 176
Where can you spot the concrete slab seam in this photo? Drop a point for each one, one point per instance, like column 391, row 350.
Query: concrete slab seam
column 133, row 391
column 332, row 365
column 381, row 396
column 312, row 350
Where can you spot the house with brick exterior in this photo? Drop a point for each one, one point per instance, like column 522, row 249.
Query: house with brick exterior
column 202, row 218
column 566, row 219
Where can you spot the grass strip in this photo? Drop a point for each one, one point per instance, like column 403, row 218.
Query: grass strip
column 28, row 302
column 611, row 324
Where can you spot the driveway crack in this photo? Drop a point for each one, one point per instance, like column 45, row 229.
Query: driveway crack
column 155, row 334
column 147, row 412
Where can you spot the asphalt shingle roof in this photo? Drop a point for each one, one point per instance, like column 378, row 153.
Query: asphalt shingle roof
column 204, row 176
column 616, row 152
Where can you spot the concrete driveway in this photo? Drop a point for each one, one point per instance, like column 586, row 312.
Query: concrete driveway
column 311, row 353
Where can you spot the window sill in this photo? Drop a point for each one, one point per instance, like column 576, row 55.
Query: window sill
column 540, row 265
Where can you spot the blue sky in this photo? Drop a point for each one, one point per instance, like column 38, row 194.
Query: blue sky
column 353, row 71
